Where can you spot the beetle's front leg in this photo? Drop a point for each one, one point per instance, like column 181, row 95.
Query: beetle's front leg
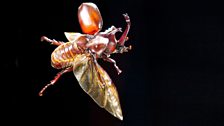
column 53, row 42
column 124, row 37
column 112, row 61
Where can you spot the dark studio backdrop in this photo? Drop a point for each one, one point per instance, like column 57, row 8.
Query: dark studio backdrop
column 174, row 76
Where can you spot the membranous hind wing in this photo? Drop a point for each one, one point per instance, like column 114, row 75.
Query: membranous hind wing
column 72, row 36
column 97, row 84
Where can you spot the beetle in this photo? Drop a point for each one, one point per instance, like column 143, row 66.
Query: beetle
column 81, row 52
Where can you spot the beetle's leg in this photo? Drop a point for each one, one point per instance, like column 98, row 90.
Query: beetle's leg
column 53, row 42
column 124, row 38
column 55, row 80
column 112, row 61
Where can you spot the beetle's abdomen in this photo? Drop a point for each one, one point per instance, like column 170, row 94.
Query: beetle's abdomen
column 64, row 54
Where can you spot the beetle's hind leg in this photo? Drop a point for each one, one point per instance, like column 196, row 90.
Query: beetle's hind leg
column 55, row 80
column 53, row 42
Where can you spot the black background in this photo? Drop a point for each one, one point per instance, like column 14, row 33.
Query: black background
column 174, row 76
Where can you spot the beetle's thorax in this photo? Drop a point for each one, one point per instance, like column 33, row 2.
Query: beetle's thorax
column 97, row 45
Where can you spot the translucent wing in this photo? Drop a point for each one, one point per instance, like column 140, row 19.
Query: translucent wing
column 72, row 36
column 97, row 84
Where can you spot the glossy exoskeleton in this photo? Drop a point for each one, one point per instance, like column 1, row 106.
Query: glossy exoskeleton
column 81, row 52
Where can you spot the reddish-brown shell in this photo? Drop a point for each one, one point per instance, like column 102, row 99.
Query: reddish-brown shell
column 90, row 18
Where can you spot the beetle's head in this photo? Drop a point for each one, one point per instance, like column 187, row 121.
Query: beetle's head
column 114, row 46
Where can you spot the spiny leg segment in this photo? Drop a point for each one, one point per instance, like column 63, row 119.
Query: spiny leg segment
column 53, row 42
column 112, row 61
column 55, row 80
